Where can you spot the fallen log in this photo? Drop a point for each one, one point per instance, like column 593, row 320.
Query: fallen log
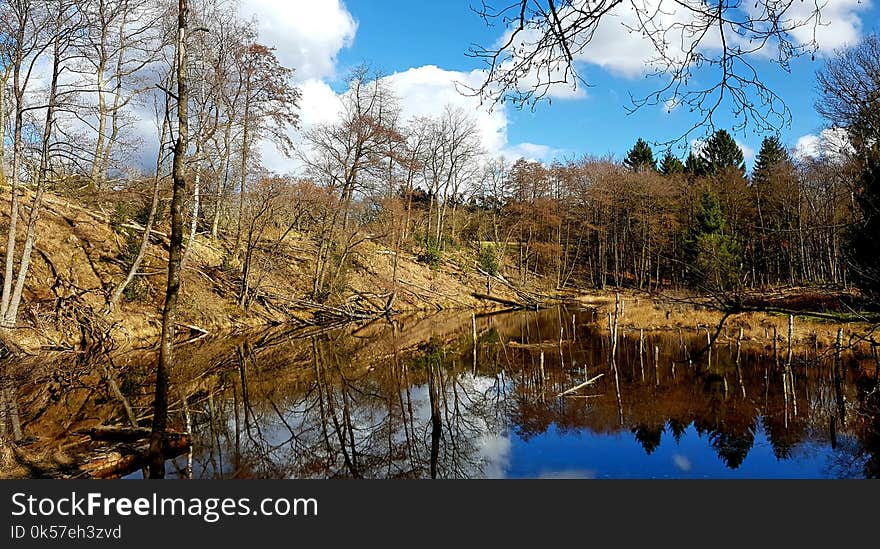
column 513, row 304
column 126, row 456
column 581, row 386
column 116, row 434
column 122, row 459
column 542, row 345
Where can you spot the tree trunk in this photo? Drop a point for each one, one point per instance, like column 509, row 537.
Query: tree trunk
column 222, row 176
column 169, row 312
column 11, row 315
column 244, row 160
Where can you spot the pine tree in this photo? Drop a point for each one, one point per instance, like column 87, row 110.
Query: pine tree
column 721, row 152
column 770, row 159
column 671, row 165
column 694, row 165
column 713, row 256
column 774, row 182
column 640, row 158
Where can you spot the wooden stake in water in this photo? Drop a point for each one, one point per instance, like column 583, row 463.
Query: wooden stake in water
column 788, row 369
column 656, row 362
column 642, row 353
column 474, row 332
column 738, row 362
column 837, row 378
column 614, row 357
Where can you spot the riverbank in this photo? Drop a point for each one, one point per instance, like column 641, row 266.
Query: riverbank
column 818, row 316
column 82, row 253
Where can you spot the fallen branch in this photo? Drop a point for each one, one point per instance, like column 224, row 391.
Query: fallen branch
column 581, row 386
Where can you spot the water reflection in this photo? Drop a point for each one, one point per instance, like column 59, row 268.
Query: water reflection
column 418, row 399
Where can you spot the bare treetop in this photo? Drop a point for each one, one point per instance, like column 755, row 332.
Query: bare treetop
column 546, row 41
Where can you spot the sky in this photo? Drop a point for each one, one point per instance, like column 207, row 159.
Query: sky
column 422, row 48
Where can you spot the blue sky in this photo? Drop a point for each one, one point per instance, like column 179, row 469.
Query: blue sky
column 422, row 47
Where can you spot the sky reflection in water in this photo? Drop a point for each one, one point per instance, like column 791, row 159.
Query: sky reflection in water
column 404, row 401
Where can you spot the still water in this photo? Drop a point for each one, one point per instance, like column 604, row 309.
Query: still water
column 416, row 398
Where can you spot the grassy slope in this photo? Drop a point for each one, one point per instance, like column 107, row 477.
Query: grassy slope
column 76, row 264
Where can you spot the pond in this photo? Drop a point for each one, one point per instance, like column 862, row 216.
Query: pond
column 418, row 399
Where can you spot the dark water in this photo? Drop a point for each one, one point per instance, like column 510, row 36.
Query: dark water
column 415, row 399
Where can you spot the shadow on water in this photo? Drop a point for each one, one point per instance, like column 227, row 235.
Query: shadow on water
column 418, row 398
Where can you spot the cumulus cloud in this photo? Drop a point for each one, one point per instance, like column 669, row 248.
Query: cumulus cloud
column 748, row 152
column 622, row 51
column 831, row 143
column 423, row 92
column 308, row 35
column 427, row 90
column 839, row 26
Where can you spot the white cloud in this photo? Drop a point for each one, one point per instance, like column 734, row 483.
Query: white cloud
column 808, row 146
column 425, row 91
column 319, row 104
column 831, row 143
column 748, row 152
column 529, row 151
column 619, row 50
column 682, row 463
column 839, row 25
column 308, row 34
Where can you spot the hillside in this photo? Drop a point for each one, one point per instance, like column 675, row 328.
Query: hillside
column 79, row 257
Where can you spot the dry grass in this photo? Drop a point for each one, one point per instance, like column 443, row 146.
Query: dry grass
column 77, row 262
column 650, row 314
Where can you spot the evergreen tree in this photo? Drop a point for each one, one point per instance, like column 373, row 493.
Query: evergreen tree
column 671, row 165
column 770, row 159
column 721, row 152
column 640, row 157
column 694, row 165
column 774, row 182
column 865, row 244
column 712, row 255
column 649, row 437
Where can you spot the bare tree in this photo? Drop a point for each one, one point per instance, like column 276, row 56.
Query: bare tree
column 546, row 41
column 340, row 155
column 849, row 87
column 52, row 27
column 268, row 109
column 450, row 158
column 27, row 28
column 169, row 311
column 123, row 39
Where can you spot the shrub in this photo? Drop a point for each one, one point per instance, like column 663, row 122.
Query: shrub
column 431, row 256
column 488, row 259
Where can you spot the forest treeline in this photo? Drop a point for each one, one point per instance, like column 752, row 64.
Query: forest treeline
column 80, row 80
column 160, row 111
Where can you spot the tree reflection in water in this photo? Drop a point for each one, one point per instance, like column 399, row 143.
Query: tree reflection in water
column 406, row 400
